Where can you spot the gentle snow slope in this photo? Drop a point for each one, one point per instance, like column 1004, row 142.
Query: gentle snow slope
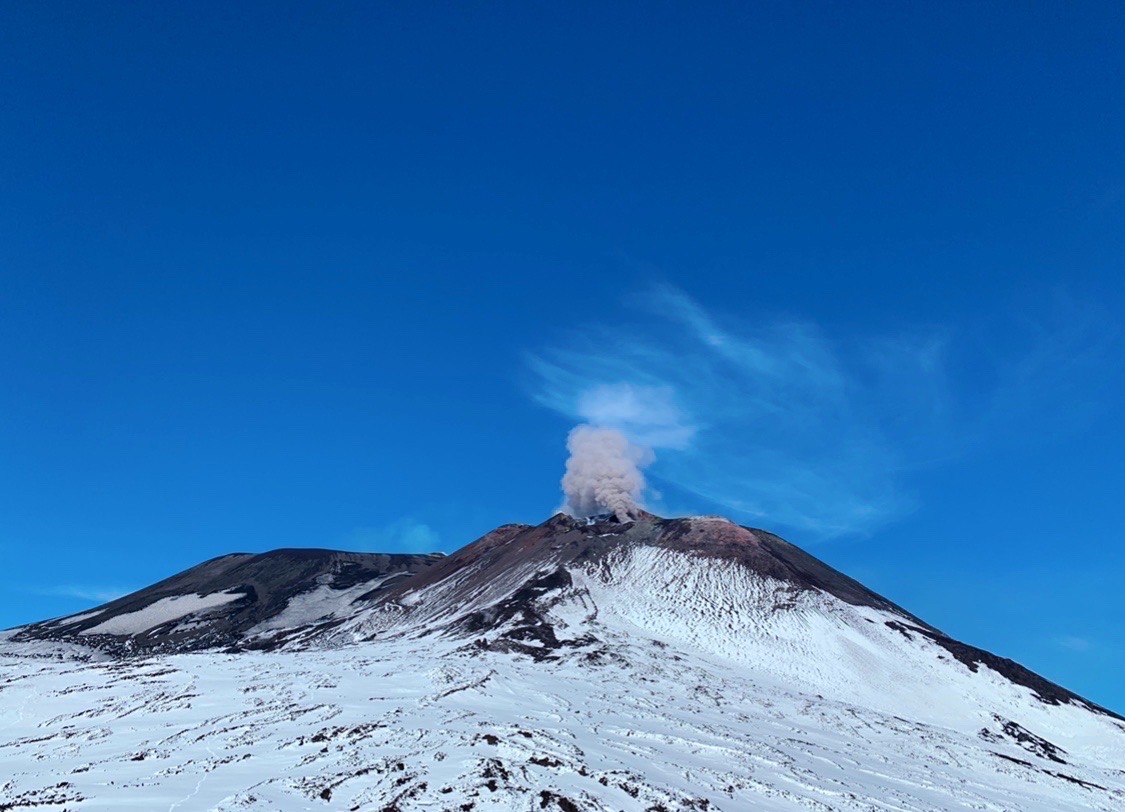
column 424, row 725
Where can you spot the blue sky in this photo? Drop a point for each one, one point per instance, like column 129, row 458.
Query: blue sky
column 275, row 275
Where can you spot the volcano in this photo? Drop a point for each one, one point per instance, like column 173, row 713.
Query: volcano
column 582, row 664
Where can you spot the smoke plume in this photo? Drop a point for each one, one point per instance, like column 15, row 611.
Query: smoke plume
column 603, row 473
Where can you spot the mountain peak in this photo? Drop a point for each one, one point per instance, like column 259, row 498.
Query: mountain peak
column 693, row 571
column 542, row 659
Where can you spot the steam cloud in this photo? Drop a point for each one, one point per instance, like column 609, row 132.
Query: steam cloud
column 603, row 473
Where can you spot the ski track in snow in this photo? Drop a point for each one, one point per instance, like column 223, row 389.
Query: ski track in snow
column 658, row 703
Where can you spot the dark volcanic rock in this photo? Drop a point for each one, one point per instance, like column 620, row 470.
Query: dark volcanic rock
column 563, row 540
column 265, row 582
column 525, row 569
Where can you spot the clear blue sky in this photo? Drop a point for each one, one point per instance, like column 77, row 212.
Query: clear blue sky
column 296, row 275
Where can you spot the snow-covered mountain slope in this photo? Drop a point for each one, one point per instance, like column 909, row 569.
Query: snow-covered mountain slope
column 223, row 601
column 423, row 724
column 659, row 664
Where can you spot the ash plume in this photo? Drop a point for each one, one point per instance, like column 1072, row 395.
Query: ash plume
column 603, row 473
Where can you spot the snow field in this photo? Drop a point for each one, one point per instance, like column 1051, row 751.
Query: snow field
column 162, row 611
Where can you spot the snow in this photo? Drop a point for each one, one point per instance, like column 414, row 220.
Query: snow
column 319, row 604
column 162, row 611
column 682, row 683
column 815, row 643
column 425, row 724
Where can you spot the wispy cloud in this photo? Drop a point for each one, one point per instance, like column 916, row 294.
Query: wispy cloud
column 1074, row 643
column 405, row 535
column 780, row 422
column 94, row 594
column 651, row 411
column 1050, row 365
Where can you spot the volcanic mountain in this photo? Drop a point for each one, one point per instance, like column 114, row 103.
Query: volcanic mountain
column 223, row 601
column 581, row 664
